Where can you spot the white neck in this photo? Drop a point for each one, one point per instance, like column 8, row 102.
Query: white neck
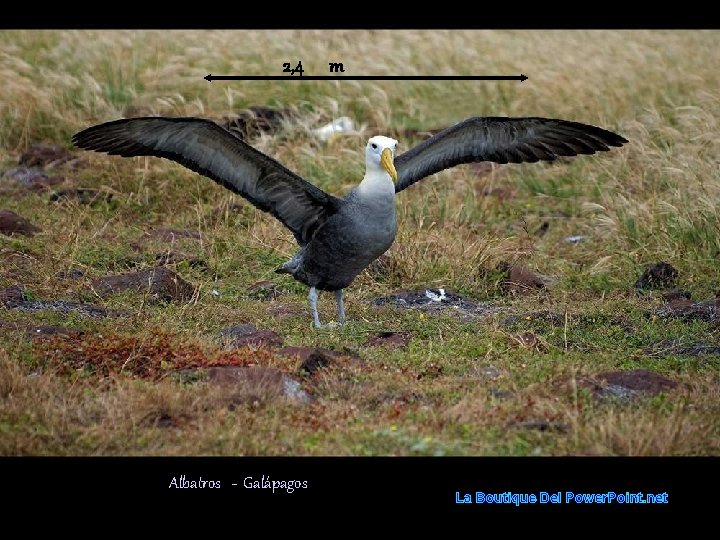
column 376, row 183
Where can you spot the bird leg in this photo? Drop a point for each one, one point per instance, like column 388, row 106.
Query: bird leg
column 313, row 305
column 340, row 307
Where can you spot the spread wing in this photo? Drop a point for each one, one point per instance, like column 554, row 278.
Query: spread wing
column 208, row 149
column 502, row 140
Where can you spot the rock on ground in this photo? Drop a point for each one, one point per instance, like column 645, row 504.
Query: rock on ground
column 12, row 223
column 519, row 280
column 313, row 359
column 33, row 179
column 625, row 385
column 258, row 384
column 161, row 283
column 659, row 276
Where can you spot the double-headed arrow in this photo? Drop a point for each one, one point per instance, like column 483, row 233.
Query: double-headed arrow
column 211, row 78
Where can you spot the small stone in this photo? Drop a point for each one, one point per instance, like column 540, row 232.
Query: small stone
column 520, row 280
column 11, row 223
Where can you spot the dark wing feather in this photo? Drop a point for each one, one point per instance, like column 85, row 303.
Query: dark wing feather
column 502, row 140
column 210, row 150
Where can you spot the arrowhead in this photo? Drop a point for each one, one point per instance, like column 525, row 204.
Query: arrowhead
column 208, row 77
column 523, row 78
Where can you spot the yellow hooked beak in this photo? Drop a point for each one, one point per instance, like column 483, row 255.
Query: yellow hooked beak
column 386, row 160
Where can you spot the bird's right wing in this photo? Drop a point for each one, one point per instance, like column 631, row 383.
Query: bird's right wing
column 501, row 140
column 208, row 149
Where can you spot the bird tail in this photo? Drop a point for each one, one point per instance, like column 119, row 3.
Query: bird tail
column 291, row 266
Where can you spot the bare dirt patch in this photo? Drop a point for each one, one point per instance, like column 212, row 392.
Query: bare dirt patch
column 436, row 300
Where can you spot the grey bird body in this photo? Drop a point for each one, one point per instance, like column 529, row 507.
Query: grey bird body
column 340, row 237
column 334, row 258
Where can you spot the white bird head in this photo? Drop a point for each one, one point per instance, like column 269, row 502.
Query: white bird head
column 380, row 155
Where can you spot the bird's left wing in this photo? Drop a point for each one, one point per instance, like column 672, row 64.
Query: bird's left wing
column 501, row 140
column 206, row 148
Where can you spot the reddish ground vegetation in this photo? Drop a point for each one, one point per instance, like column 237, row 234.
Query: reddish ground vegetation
column 152, row 356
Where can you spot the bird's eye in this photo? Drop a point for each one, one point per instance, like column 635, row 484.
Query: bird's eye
column 374, row 146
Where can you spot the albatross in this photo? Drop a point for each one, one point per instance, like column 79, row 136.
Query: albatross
column 339, row 237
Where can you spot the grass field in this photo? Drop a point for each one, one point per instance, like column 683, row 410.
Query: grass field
column 511, row 383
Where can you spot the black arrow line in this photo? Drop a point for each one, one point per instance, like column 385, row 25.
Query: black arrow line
column 520, row 78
